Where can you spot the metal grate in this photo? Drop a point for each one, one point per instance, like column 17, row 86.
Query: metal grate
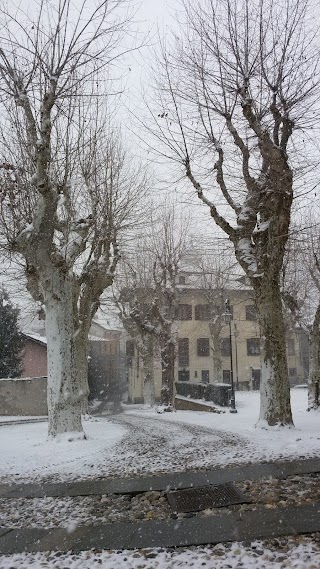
column 196, row 499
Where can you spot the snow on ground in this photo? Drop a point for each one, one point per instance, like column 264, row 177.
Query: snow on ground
column 140, row 442
column 259, row 555
column 26, row 454
column 119, row 444
column 265, row 444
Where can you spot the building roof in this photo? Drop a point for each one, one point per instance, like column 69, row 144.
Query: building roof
column 93, row 338
column 106, row 327
column 42, row 340
column 35, row 338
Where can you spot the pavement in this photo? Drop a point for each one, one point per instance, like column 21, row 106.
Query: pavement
column 260, row 523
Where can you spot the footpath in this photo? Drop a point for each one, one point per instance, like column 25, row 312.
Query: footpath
column 226, row 526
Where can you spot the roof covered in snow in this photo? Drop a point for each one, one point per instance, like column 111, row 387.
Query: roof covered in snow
column 36, row 338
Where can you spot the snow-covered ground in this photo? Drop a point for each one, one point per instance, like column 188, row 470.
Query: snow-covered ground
column 140, row 441
column 262, row 444
column 26, row 454
column 298, row 553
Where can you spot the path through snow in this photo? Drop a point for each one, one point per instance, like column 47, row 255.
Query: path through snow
column 158, row 446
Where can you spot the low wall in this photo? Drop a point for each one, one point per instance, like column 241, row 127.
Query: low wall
column 189, row 405
column 23, row 396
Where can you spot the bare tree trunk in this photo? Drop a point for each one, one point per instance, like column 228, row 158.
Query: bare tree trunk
column 65, row 394
column 148, row 389
column 314, row 364
column 167, row 363
column 217, row 368
column 82, row 352
column 275, row 405
column 148, row 380
column 216, row 354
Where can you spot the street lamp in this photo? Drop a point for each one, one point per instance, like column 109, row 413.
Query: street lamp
column 236, row 334
column 227, row 319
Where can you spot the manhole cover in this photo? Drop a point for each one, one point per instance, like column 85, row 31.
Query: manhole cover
column 196, row 499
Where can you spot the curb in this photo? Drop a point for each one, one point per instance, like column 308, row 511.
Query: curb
column 236, row 526
column 163, row 482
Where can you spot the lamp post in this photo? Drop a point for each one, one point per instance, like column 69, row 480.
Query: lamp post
column 236, row 334
column 227, row 318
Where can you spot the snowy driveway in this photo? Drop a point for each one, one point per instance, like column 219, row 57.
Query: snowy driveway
column 139, row 441
column 117, row 446
column 154, row 446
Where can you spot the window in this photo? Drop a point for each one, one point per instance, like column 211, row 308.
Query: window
column 183, row 375
column 196, row 374
column 225, row 347
column 202, row 312
column 182, row 280
column 292, row 372
column 184, row 312
column 203, row 347
column 253, row 347
column 183, row 352
column 226, row 376
column 251, row 312
column 205, row 376
column 290, row 347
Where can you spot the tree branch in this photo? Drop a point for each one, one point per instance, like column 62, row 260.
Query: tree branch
column 213, row 210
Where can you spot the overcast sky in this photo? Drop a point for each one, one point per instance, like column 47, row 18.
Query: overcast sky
column 151, row 17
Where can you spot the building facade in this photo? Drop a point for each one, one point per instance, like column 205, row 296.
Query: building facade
column 106, row 374
column 34, row 356
column 196, row 346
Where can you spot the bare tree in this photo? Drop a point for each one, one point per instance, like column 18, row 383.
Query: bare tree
column 215, row 283
column 314, row 364
column 238, row 89
column 301, row 294
column 314, row 338
column 153, row 303
column 68, row 189
column 134, row 311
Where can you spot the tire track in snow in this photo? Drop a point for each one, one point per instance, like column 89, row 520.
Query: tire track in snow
column 156, row 446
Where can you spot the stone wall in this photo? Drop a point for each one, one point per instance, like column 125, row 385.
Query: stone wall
column 23, row 396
